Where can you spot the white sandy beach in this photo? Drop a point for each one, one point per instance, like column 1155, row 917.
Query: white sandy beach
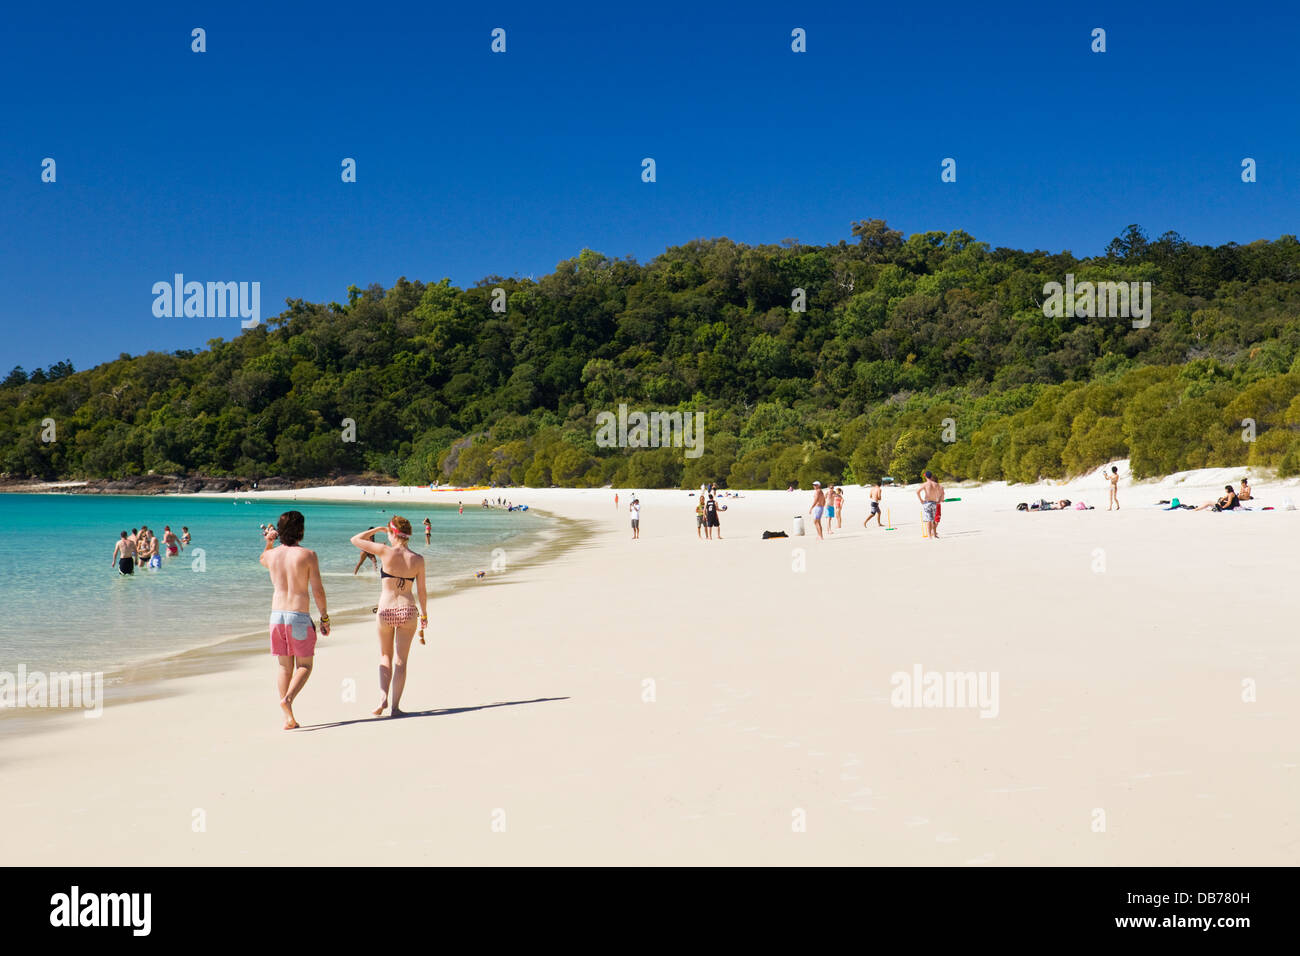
column 1120, row 643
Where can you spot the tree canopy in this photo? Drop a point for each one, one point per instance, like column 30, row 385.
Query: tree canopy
column 905, row 340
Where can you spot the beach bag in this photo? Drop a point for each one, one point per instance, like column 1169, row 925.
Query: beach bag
column 1022, row 507
column 774, row 534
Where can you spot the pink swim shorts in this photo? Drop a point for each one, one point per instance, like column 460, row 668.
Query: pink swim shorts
column 292, row 634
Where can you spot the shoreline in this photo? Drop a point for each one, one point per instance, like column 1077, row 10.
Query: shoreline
column 158, row 677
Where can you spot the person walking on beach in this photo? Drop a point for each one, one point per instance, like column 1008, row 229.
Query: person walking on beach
column 1113, row 478
column 428, row 532
column 818, row 506
column 930, row 494
column 294, row 572
column 876, row 492
column 401, row 573
column 635, row 510
column 124, row 554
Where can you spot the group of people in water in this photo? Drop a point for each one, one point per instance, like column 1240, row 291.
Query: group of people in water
column 142, row 547
column 402, row 611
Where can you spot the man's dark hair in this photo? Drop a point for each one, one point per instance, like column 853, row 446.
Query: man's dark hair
column 124, row 534
column 1115, row 468
column 290, row 527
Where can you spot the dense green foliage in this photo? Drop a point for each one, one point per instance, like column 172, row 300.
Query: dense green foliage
column 899, row 334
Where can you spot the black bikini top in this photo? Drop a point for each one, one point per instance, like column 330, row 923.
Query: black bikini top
column 385, row 574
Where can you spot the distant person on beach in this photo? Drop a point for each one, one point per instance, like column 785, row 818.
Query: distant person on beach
column 699, row 516
column 462, row 507
column 711, row 516
column 185, row 534
column 616, row 501
column 818, row 506
column 124, row 554
column 1227, row 502
column 1113, row 478
column 930, row 494
column 172, row 542
column 365, row 556
column 294, row 571
column 635, row 510
column 876, row 492
column 401, row 573
column 1244, row 494
column 839, row 507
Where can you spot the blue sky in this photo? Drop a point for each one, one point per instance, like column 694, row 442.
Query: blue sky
column 225, row 165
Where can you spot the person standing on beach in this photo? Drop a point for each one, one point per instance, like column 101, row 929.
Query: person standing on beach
column 124, row 554
column 839, row 507
column 401, row 573
column 930, row 494
column 818, row 506
column 635, row 510
column 711, row 516
column 294, row 571
column 1113, row 478
column 699, row 516
column 876, row 492
column 428, row 532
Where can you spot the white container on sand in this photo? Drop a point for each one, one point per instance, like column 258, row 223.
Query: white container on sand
column 798, row 526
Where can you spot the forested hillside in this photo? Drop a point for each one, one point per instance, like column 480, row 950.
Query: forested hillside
column 899, row 334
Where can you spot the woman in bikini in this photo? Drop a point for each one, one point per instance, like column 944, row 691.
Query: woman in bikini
column 401, row 573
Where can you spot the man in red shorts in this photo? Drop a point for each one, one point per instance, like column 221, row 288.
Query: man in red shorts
column 293, row 571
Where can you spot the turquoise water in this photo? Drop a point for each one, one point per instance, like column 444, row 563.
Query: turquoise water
column 63, row 604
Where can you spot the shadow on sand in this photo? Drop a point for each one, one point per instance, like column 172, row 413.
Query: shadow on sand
column 437, row 712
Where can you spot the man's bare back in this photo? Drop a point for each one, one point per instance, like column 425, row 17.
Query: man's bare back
column 294, row 571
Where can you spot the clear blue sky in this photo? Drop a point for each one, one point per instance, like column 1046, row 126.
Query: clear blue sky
column 225, row 165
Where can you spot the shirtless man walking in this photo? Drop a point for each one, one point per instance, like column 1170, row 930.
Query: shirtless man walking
column 1113, row 478
column 293, row 571
column 818, row 506
column 930, row 494
column 124, row 554
column 876, row 492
